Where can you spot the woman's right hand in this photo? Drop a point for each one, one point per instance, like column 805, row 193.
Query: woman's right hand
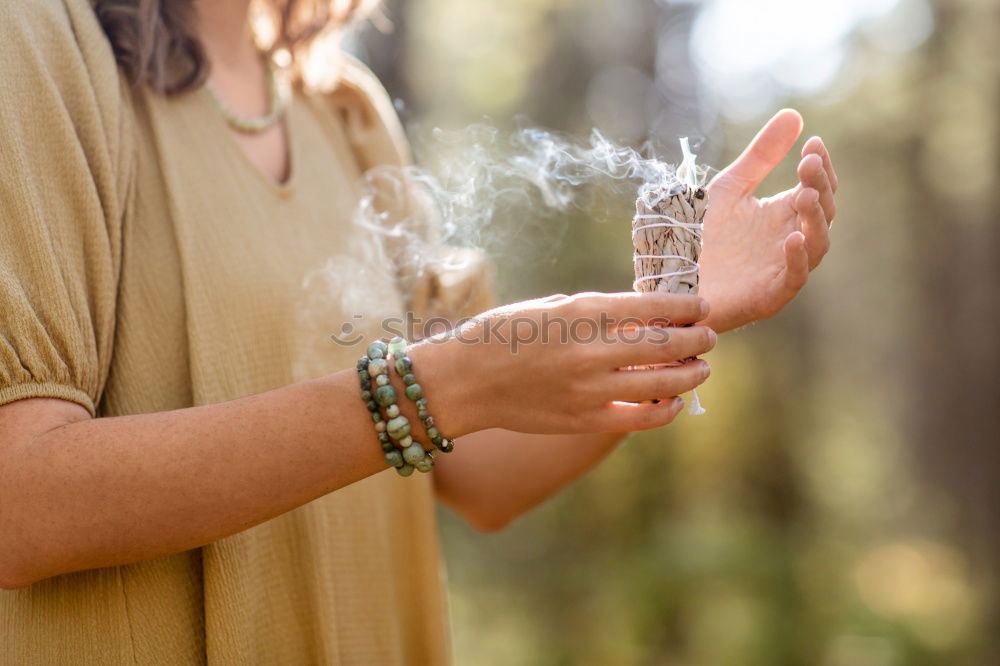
column 557, row 364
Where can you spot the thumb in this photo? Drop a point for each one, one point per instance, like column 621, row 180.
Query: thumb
column 766, row 151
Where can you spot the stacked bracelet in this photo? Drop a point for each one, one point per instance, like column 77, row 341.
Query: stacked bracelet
column 368, row 397
column 401, row 451
column 413, row 391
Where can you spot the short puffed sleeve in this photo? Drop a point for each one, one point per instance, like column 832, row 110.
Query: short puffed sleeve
column 65, row 174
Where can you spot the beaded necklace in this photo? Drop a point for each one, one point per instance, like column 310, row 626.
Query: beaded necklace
column 277, row 103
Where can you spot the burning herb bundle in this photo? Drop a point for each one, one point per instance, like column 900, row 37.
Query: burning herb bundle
column 666, row 236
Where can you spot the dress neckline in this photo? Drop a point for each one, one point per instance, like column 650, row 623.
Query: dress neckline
column 283, row 189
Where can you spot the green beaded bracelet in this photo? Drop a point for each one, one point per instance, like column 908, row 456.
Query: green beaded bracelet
column 413, row 391
column 366, row 396
column 393, row 429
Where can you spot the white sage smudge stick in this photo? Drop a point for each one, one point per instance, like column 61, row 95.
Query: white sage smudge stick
column 666, row 235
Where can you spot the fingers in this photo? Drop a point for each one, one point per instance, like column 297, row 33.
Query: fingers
column 813, row 175
column 816, row 146
column 639, row 309
column 658, row 383
column 651, row 345
column 796, row 263
column 766, row 150
column 632, row 417
column 813, row 223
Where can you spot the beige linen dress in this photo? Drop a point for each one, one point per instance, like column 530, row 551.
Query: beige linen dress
column 146, row 265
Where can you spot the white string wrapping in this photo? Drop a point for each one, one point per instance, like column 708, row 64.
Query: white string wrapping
column 666, row 236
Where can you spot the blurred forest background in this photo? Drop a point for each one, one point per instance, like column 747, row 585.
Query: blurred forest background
column 839, row 505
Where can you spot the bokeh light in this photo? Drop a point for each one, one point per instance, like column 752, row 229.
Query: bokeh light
column 752, row 54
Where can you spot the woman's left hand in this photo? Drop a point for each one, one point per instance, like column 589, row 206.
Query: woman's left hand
column 758, row 252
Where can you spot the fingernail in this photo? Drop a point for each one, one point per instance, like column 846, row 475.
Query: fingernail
column 704, row 308
column 713, row 337
column 678, row 403
column 706, row 370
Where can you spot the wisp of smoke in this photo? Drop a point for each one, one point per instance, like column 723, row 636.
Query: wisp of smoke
column 473, row 177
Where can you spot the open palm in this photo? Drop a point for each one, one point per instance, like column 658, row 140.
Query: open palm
column 758, row 252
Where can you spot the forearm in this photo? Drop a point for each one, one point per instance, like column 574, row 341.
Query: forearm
column 494, row 476
column 79, row 493
column 109, row 491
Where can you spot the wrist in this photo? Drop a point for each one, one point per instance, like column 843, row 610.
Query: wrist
column 721, row 323
column 448, row 386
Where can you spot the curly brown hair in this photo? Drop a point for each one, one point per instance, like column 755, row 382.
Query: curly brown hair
column 156, row 44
